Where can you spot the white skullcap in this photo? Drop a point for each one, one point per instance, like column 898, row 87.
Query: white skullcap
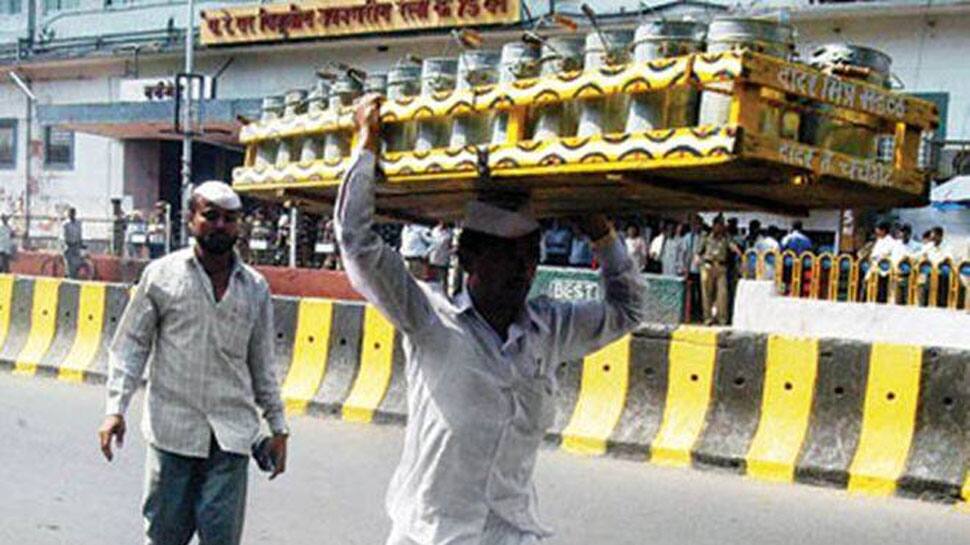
column 416, row 241
column 500, row 222
column 219, row 194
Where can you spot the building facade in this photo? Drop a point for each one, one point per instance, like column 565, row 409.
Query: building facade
column 101, row 122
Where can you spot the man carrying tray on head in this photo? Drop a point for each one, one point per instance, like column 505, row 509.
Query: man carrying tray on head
column 481, row 366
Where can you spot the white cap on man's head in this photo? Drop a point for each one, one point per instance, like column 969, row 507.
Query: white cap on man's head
column 219, row 194
column 498, row 221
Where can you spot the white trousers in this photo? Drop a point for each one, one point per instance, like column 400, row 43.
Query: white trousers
column 496, row 532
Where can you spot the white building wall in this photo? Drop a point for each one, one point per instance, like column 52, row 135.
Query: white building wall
column 97, row 172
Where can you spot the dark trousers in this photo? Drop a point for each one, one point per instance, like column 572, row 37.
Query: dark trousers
column 185, row 495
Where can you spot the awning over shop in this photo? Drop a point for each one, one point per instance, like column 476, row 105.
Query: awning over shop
column 221, row 119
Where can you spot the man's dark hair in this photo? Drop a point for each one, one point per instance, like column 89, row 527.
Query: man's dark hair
column 884, row 226
column 907, row 228
column 938, row 231
column 796, row 226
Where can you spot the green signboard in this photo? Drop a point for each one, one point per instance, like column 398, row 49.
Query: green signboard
column 665, row 294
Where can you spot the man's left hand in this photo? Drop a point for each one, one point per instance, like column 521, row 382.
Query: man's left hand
column 277, row 449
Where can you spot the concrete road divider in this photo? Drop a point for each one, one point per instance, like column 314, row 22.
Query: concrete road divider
column 874, row 418
column 52, row 326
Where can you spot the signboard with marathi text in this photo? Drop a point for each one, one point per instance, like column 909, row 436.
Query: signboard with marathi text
column 326, row 18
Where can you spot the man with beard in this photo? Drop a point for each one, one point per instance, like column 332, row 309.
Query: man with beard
column 205, row 320
column 480, row 367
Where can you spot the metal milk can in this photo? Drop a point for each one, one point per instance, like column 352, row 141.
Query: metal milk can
column 759, row 35
column 606, row 114
column 343, row 93
column 519, row 61
column 266, row 151
column 557, row 120
column 437, row 76
column 671, row 107
column 475, row 68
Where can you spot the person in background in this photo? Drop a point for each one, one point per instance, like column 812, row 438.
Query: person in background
column 580, row 254
column 201, row 323
column 754, row 229
column 72, row 239
column 636, row 247
column 762, row 243
column 669, row 250
column 557, row 244
column 933, row 248
column 734, row 232
column 905, row 235
column 692, row 242
column 158, row 231
column 715, row 251
column 136, row 235
column 886, row 246
column 796, row 241
column 7, row 245
column 655, row 251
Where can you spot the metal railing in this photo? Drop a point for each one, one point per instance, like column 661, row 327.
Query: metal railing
column 908, row 281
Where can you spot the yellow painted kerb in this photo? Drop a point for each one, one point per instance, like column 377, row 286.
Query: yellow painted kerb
column 376, row 367
column 791, row 366
column 6, row 301
column 310, row 353
column 888, row 420
column 87, row 338
column 602, row 396
column 43, row 324
column 692, row 356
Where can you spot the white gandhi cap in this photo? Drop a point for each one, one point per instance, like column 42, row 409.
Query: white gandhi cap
column 497, row 221
column 219, row 194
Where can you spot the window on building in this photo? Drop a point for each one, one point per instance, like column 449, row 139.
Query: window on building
column 60, row 5
column 58, row 148
column 11, row 7
column 942, row 101
column 8, row 143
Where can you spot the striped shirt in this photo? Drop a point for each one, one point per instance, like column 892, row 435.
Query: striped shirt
column 210, row 364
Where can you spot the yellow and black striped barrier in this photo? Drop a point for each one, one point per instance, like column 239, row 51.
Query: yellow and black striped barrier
column 874, row 418
column 909, row 281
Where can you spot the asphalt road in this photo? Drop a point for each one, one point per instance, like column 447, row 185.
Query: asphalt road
column 56, row 489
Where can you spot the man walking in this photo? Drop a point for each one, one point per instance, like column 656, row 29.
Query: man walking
column 73, row 240
column 207, row 321
column 480, row 366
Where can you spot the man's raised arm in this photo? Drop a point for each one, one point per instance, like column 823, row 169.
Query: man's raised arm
column 375, row 269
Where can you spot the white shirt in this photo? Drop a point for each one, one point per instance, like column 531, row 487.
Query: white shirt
column 478, row 408
column 636, row 248
column 764, row 244
column 888, row 247
column 657, row 246
column 671, row 257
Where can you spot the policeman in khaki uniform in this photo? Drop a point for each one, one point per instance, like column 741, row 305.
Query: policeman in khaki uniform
column 713, row 254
